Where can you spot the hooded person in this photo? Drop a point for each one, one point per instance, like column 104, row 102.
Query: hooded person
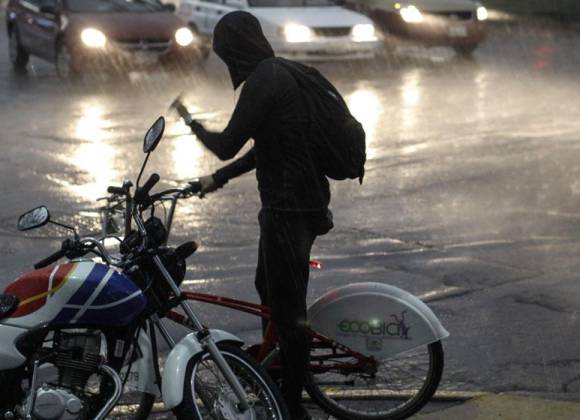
column 294, row 192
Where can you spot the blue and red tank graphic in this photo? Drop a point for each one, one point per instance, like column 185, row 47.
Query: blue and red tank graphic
column 84, row 293
column 32, row 289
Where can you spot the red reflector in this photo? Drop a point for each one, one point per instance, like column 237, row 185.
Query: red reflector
column 316, row 264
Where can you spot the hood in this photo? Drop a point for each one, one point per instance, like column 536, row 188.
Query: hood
column 431, row 6
column 313, row 17
column 239, row 41
column 128, row 25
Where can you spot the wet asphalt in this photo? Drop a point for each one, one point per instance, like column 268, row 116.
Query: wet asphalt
column 471, row 197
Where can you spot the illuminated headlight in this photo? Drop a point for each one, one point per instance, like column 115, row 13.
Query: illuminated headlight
column 411, row 14
column 184, row 36
column 363, row 32
column 482, row 13
column 93, row 38
column 297, row 33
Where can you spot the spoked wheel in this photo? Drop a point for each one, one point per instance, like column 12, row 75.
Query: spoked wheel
column 207, row 395
column 392, row 389
column 18, row 55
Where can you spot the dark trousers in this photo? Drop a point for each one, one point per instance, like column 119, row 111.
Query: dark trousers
column 282, row 280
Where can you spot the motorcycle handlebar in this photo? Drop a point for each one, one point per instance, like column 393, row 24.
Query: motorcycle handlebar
column 142, row 193
column 50, row 259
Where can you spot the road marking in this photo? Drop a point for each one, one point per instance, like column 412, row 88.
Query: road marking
column 444, row 293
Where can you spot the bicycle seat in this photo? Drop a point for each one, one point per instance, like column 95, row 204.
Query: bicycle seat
column 8, row 304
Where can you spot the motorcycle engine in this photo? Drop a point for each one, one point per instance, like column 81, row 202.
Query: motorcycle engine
column 77, row 357
column 56, row 404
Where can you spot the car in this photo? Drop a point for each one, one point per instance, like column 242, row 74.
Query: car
column 99, row 35
column 453, row 23
column 302, row 30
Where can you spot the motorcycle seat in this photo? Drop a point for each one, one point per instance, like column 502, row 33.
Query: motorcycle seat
column 8, row 304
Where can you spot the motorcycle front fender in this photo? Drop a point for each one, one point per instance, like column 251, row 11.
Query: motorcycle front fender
column 176, row 364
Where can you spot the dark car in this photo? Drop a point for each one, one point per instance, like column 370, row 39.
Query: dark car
column 100, row 35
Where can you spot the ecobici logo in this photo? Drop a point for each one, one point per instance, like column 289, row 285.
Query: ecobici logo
column 375, row 327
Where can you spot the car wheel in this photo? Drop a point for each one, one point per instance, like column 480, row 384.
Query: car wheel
column 63, row 63
column 465, row 51
column 18, row 55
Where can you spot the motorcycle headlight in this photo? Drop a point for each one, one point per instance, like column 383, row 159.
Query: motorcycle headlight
column 482, row 13
column 411, row 14
column 93, row 38
column 297, row 33
column 363, row 32
column 184, row 36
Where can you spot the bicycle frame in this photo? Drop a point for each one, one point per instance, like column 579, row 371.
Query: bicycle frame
column 267, row 349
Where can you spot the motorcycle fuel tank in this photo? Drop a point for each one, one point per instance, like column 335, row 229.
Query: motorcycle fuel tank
column 82, row 293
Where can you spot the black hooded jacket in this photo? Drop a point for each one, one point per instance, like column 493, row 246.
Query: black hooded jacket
column 270, row 110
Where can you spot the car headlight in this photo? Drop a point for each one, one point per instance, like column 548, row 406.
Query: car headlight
column 411, row 14
column 184, row 36
column 363, row 32
column 297, row 33
column 93, row 38
column 482, row 13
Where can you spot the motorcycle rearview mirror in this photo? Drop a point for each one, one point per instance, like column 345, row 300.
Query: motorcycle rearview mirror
column 153, row 136
column 33, row 219
column 150, row 142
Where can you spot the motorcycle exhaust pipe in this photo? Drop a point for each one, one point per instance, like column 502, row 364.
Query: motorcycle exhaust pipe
column 108, row 407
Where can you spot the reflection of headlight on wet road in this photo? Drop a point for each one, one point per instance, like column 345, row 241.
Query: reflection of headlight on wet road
column 184, row 36
column 363, row 32
column 411, row 14
column 297, row 33
column 93, row 38
column 482, row 13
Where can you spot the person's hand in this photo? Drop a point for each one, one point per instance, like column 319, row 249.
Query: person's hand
column 194, row 125
column 208, row 184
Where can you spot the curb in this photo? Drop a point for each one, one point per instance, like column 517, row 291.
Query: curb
column 440, row 396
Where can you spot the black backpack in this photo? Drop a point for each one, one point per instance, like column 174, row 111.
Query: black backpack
column 337, row 138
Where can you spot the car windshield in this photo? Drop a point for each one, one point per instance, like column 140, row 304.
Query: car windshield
column 84, row 6
column 291, row 3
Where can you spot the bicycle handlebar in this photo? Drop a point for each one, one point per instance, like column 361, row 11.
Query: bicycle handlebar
column 115, row 190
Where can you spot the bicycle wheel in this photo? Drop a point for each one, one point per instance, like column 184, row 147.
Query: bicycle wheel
column 207, row 395
column 392, row 389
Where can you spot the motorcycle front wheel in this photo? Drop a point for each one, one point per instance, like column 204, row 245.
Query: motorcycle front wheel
column 392, row 389
column 207, row 395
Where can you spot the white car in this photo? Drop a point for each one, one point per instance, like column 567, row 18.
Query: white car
column 302, row 30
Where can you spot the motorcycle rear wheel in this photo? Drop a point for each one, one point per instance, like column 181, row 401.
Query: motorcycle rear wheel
column 399, row 387
column 206, row 394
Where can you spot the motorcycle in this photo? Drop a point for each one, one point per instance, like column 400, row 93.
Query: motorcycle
column 72, row 333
